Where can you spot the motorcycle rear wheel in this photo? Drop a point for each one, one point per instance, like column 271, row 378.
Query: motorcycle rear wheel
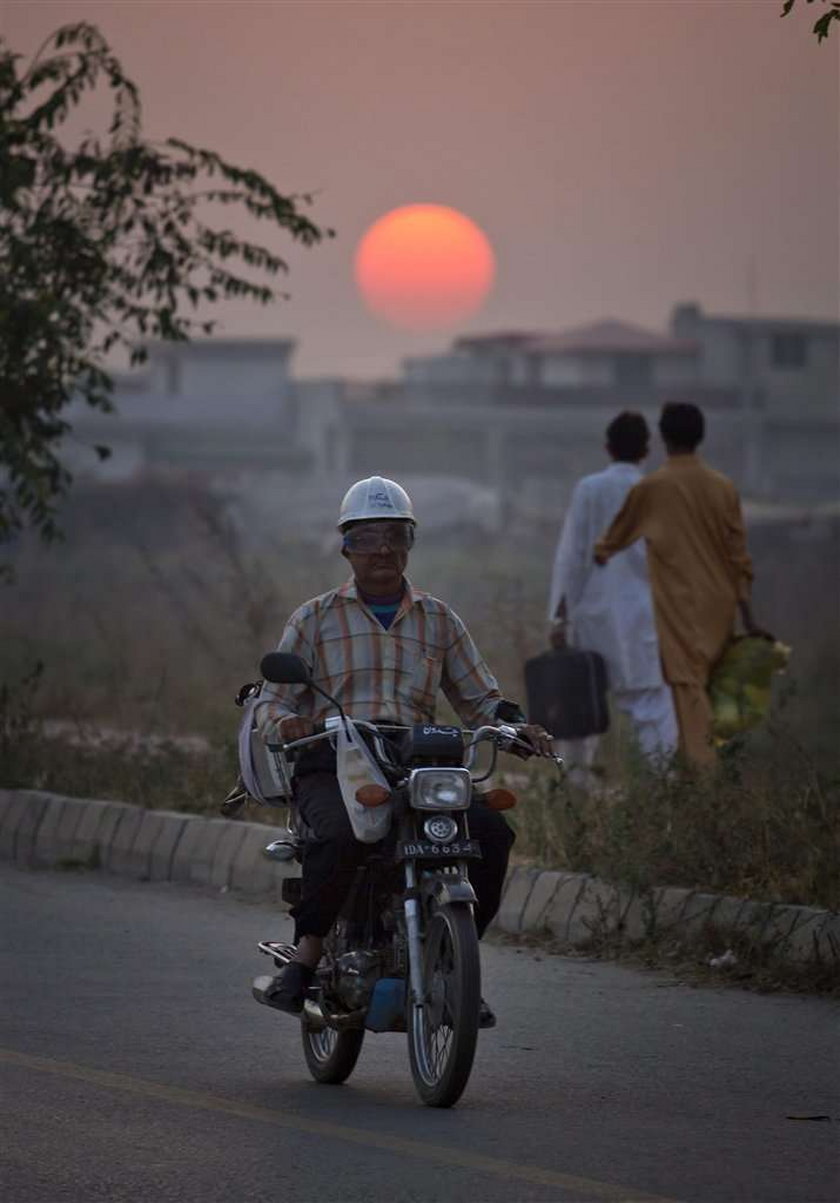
column 442, row 1034
column 331, row 1056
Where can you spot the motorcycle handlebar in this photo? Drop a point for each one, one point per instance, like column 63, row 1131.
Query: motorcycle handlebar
column 504, row 736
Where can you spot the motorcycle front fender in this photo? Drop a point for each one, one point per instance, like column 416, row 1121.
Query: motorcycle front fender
column 448, row 889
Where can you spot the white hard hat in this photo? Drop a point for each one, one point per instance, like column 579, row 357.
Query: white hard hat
column 374, row 498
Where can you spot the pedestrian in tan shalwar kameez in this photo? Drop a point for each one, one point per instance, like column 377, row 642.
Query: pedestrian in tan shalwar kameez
column 700, row 571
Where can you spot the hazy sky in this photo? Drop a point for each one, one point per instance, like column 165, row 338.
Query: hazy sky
column 621, row 155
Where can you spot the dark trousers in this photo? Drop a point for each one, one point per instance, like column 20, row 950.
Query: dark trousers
column 332, row 854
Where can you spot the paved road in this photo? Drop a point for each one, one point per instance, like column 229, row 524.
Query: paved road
column 137, row 1068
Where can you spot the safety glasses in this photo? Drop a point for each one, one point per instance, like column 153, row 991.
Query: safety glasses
column 372, row 537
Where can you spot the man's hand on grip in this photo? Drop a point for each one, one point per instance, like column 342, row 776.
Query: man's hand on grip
column 294, row 727
column 539, row 740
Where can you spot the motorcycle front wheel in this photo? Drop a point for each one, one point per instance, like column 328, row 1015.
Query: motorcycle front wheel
column 330, row 1055
column 442, row 1033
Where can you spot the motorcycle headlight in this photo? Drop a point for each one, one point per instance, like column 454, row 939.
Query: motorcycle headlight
column 440, row 789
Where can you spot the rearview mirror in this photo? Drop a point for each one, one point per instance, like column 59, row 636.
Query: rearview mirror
column 283, row 668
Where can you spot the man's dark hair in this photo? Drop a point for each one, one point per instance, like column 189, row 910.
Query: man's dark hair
column 628, row 437
column 682, row 425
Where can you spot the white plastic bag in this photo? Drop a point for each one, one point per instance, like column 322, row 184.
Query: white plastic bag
column 356, row 767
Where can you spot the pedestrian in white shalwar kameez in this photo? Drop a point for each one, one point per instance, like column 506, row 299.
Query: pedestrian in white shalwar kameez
column 610, row 610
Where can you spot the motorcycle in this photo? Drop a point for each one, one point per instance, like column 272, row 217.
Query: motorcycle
column 403, row 954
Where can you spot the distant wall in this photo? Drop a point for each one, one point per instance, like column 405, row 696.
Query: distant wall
column 536, row 449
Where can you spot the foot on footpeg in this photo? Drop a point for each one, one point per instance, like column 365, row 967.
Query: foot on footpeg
column 286, row 991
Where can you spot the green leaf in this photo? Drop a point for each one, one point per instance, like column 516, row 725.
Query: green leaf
column 102, row 245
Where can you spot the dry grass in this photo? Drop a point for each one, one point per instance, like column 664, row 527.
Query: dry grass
column 155, row 611
column 766, row 825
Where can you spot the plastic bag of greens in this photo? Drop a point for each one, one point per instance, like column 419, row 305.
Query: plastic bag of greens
column 741, row 684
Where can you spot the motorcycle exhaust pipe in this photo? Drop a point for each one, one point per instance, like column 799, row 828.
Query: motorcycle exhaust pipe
column 316, row 1020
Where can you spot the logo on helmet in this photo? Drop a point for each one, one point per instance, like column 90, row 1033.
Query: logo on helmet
column 375, row 497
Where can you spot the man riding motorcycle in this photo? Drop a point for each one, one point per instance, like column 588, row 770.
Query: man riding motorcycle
column 382, row 649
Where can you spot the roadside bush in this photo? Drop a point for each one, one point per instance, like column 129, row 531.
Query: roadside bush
column 139, row 671
column 161, row 776
column 766, row 825
column 83, row 761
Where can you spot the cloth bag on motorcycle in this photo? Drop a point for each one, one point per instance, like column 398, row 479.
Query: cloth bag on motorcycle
column 355, row 767
column 263, row 774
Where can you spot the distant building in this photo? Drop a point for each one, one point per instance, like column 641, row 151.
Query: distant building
column 521, row 412
column 608, row 363
column 787, row 374
column 790, row 365
column 770, row 388
column 603, row 355
column 785, row 361
column 204, row 406
column 218, row 381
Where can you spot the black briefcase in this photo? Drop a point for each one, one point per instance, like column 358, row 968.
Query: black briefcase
column 567, row 693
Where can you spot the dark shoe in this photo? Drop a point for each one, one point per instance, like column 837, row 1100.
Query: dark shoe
column 286, row 991
column 486, row 1018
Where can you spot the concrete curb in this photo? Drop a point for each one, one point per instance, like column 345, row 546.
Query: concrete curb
column 579, row 911
column 41, row 830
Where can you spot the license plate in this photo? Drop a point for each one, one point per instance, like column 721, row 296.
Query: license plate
column 426, row 850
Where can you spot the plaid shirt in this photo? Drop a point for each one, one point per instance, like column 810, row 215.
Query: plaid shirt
column 381, row 674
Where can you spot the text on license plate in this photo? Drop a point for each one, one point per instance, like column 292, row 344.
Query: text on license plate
column 454, row 850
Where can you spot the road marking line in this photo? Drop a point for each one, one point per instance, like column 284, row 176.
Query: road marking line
column 313, row 1127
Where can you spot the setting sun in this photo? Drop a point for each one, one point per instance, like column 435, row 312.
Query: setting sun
column 424, row 267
